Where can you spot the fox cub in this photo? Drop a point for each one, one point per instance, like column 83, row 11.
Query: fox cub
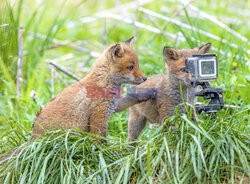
column 74, row 107
column 157, row 110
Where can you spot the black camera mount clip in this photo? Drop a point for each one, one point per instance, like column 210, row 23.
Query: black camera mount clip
column 215, row 94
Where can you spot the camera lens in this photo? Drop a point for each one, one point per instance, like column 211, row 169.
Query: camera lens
column 207, row 67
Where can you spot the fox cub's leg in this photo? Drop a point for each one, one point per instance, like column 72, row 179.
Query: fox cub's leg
column 126, row 102
column 136, row 124
column 134, row 98
column 98, row 124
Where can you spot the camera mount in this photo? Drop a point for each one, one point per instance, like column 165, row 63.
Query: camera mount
column 215, row 94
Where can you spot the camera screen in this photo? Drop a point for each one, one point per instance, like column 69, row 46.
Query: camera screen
column 207, row 67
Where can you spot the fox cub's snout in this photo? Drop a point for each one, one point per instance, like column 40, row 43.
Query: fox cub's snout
column 175, row 60
column 125, row 63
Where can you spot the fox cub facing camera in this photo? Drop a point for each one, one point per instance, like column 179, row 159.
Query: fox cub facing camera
column 157, row 110
column 72, row 108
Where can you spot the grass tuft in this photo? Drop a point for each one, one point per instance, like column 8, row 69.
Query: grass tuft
column 203, row 152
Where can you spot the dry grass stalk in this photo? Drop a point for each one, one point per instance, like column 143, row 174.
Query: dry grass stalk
column 63, row 69
column 19, row 62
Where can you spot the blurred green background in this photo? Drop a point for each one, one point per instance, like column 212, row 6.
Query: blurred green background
column 72, row 33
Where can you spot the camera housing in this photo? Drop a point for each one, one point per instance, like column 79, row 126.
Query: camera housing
column 202, row 67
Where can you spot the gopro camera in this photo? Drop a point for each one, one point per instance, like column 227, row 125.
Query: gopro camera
column 202, row 67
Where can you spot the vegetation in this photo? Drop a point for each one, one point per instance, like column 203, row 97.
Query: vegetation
column 206, row 151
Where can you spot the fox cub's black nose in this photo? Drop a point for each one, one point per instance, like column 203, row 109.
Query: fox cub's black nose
column 144, row 78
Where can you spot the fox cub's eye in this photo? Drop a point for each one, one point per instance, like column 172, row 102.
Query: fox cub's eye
column 130, row 68
column 184, row 70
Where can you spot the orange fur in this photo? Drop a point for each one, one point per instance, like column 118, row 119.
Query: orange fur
column 72, row 109
column 157, row 110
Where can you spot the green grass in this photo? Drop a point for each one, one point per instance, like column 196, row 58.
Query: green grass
column 202, row 153
column 209, row 151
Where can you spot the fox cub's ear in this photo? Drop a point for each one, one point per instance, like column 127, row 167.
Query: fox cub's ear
column 170, row 54
column 117, row 51
column 204, row 49
column 130, row 41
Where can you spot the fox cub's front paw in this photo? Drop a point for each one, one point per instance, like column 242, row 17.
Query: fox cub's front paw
column 143, row 94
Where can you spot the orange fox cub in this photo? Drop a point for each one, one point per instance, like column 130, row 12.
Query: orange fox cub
column 157, row 110
column 77, row 107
